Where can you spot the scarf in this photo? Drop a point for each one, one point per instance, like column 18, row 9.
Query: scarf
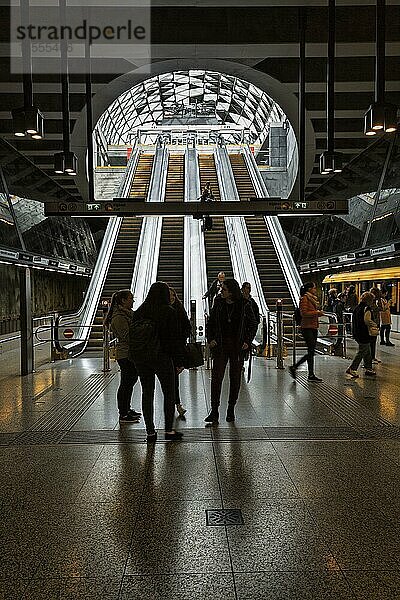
column 313, row 299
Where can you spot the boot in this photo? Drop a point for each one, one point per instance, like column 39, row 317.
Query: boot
column 213, row 417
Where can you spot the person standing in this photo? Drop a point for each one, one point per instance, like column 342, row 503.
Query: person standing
column 335, row 305
column 156, row 310
column 214, row 288
column 310, row 311
column 231, row 328
column 184, row 331
column 363, row 325
column 120, row 318
column 386, row 320
column 207, row 195
column 246, row 293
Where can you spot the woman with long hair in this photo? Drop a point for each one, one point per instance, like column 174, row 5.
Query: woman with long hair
column 310, row 311
column 120, row 318
column 157, row 309
column 184, row 331
column 231, row 328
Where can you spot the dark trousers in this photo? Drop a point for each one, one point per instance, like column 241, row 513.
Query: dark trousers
column 176, row 379
column 310, row 338
column 385, row 333
column 364, row 352
column 221, row 354
column 372, row 343
column 128, row 379
column 165, row 371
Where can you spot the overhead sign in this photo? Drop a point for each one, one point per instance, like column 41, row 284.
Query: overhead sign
column 253, row 206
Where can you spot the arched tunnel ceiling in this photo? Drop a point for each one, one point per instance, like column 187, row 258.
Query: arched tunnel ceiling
column 226, row 99
column 260, row 35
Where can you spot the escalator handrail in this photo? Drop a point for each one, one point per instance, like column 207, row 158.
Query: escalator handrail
column 86, row 313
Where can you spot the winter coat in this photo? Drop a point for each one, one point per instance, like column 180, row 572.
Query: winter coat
column 121, row 323
column 362, row 318
column 309, row 308
column 245, row 326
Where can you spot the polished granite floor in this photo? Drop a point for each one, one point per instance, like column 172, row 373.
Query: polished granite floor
column 89, row 511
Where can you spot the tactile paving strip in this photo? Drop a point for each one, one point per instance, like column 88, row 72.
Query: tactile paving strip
column 69, row 410
column 346, row 408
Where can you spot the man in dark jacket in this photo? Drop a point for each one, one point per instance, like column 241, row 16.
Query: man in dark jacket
column 230, row 330
column 362, row 322
column 214, row 288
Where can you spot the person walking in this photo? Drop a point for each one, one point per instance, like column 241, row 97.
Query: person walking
column 157, row 315
column 363, row 326
column 120, row 318
column 184, row 331
column 335, row 305
column 231, row 328
column 310, row 311
column 375, row 315
column 215, row 288
column 386, row 320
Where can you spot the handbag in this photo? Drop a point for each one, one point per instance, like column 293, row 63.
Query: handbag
column 193, row 355
column 373, row 329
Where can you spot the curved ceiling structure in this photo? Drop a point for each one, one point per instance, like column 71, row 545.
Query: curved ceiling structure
column 208, row 96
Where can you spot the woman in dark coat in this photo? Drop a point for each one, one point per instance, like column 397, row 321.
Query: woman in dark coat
column 157, row 309
column 184, row 331
column 230, row 330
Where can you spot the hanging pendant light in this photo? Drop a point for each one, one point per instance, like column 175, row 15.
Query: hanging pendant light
column 65, row 163
column 27, row 120
column 380, row 117
column 330, row 161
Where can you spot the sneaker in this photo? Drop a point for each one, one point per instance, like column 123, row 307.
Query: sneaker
column 180, row 409
column 352, row 373
column 128, row 419
column 292, row 372
column 212, row 417
column 376, row 361
column 151, row 437
column 370, row 373
column 175, row 436
column 134, row 413
column 314, row 378
column 390, row 344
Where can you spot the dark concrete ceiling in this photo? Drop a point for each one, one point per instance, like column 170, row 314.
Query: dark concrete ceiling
column 267, row 34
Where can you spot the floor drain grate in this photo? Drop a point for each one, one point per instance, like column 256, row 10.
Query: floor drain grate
column 220, row 517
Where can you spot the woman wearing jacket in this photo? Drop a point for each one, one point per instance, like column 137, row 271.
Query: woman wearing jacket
column 184, row 331
column 310, row 311
column 170, row 357
column 119, row 318
column 231, row 328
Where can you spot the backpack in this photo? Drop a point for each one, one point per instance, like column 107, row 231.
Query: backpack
column 144, row 343
column 297, row 315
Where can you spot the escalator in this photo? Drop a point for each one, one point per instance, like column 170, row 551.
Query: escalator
column 119, row 275
column 218, row 257
column 272, row 278
column 170, row 258
column 175, row 187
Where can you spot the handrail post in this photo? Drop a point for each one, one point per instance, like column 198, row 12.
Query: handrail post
column 279, row 335
column 294, row 340
column 106, row 349
column 269, row 349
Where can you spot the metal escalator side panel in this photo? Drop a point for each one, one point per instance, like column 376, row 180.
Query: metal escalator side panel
column 278, row 238
column 194, row 259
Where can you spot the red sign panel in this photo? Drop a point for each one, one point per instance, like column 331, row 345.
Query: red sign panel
column 68, row 333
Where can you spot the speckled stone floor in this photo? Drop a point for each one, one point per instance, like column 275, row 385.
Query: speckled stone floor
column 89, row 511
